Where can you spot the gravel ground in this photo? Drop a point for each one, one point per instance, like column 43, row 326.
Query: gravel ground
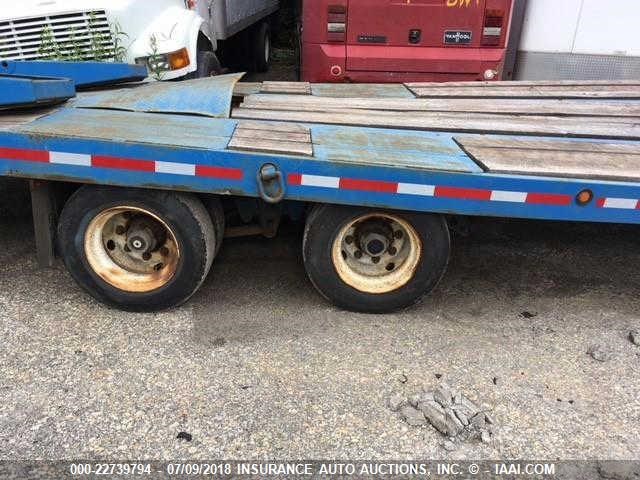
column 257, row 365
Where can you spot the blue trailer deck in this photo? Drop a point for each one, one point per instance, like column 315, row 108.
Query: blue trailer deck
column 192, row 137
column 113, row 138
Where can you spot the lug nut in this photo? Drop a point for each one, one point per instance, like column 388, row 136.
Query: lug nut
column 398, row 234
column 120, row 230
column 392, row 250
column 146, row 256
column 349, row 239
column 375, row 259
column 357, row 254
column 164, row 251
column 158, row 266
column 390, row 267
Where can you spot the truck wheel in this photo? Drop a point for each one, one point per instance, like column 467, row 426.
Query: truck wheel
column 135, row 249
column 262, row 48
column 208, row 65
column 374, row 261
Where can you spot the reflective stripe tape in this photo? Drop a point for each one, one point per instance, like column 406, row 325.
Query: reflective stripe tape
column 63, row 158
column 622, row 203
column 176, row 168
column 503, row 196
column 416, row 189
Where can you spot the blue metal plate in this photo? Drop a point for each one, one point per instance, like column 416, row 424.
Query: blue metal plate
column 84, row 74
column 210, row 97
column 18, row 90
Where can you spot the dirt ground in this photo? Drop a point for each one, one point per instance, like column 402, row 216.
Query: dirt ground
column 257, row 365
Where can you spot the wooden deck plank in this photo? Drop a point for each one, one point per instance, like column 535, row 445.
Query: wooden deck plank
column 525, row 91
column 528, row 83
column 271, row 146
column 473, row 141
column 273, row 135
column 589, row 160
column 301, row 88
column 499, row 124
column 497, row 106
column 273, row 126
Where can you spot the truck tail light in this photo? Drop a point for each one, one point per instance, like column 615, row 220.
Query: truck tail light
column 191, row 4
column 337, row 23
column 493, row 23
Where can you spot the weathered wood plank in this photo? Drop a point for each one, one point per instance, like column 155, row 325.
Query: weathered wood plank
column 527, row 83
column 303, row 88
column 271, row 146
column 502, row 124
column 273, row 126
column 563, row 161
column 497, row 106
column 242, row 89
column 524, row 91
column 472, row 141
column 273, row 135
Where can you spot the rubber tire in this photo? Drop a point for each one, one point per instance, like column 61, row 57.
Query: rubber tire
column 183, row 213
column 262, row 39
column 216, row 213
column 208, row 65
column 325, row 222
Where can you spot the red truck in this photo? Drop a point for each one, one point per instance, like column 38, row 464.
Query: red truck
column 384, row 41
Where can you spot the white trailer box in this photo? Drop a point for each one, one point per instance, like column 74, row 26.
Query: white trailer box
column 579, row 39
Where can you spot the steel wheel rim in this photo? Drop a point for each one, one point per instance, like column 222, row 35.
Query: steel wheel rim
column 131, row 249
column 377, row 253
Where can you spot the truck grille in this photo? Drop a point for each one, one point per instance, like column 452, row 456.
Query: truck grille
column 85, row 32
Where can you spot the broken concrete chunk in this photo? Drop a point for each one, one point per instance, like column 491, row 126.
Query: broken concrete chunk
column 489, row 418
column 434, row 413
column 443, row 395
column 449, row 446
column 634, row 337
column 395, row 402
column 479, row 420
column 599, row 353
column 462, row 417
column 412, row 416
column 454, row 426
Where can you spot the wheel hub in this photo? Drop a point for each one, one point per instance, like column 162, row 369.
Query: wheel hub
column 377, row 253
column 131, row 249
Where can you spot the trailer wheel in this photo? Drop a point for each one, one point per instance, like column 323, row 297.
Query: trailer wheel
column 374, row 261
column 135, row 249
column 262, row 47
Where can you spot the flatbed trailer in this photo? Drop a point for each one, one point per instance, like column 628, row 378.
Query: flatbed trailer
column 377, row 168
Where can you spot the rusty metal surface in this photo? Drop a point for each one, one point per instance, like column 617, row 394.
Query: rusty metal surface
column 398, row 148
column 209, row 97
column 135, row 127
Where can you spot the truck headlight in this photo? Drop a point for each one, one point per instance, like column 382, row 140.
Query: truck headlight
column 166, row 61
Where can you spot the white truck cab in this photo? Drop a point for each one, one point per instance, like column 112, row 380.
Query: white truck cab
column 178, row 36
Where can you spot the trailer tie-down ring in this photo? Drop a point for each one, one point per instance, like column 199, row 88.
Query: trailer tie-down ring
column 270, row 184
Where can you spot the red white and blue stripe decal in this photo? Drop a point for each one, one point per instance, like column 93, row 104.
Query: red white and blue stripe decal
column 449, row 192
column 119, row 163
column 312, row 181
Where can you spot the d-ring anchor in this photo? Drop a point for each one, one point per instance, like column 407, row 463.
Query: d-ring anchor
column 270, row 184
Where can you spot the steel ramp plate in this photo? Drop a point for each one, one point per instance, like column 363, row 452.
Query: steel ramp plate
column 20, row 90
column 83, row 74
column 209, row 97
